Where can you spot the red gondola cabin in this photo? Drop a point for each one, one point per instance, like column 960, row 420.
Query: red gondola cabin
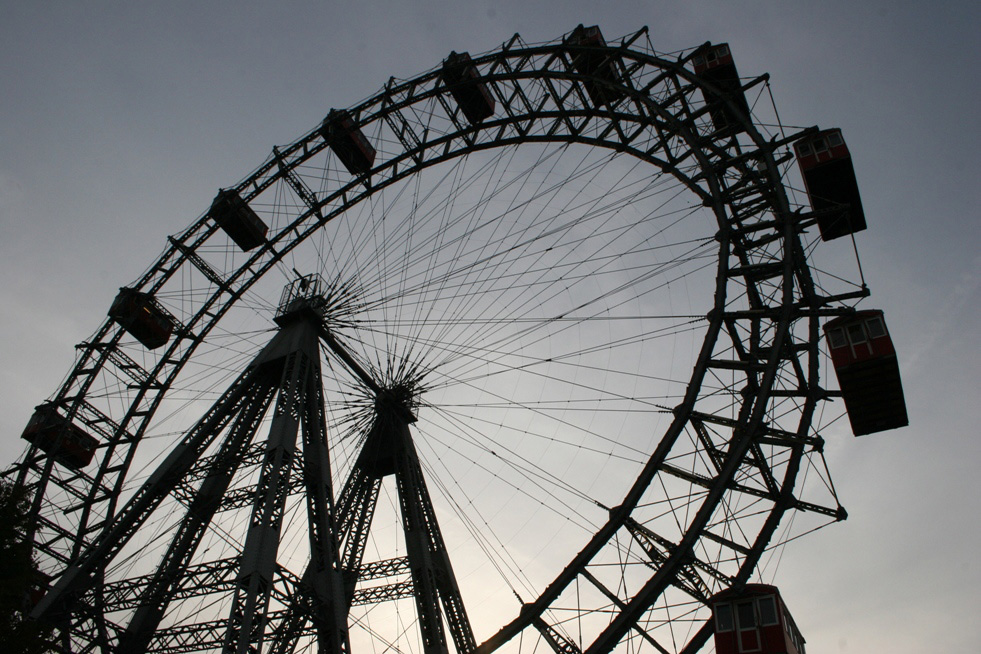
column 714, row 64
column 239, row 221
column 604, row 87
column 40, row 583
column 868, row 372
column 143, row 317
column 829, row 178
column 754, row 619
column 348, row 142
column 463, row 81
column 66, row 443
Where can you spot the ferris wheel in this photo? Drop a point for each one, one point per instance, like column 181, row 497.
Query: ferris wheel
column 523, row 352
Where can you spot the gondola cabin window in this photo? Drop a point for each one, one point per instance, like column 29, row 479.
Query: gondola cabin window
column 711, row 57
column 825, row 146
column 858, row 339
column 723, row 618
column 837, row 338
column 767, row 610
column 877, row 329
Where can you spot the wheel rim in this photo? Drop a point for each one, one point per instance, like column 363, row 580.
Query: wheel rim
column 735, row 428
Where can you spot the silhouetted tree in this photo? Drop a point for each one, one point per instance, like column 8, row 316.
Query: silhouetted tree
column 18, row 576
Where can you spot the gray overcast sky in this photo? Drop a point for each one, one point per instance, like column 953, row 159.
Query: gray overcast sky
column 118, row 122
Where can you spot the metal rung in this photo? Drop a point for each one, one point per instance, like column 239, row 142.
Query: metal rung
column 199, row 263
column 377, row 594
column 88, row 502
column 386, row 568
column 758, row 271
column 727, row 364
column 837, row 513
column 93, row 528
column 726, row 542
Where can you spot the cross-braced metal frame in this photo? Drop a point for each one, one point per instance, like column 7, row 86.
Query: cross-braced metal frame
column 723, row 446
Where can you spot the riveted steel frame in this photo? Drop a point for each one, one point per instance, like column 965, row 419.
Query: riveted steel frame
column 542, row 99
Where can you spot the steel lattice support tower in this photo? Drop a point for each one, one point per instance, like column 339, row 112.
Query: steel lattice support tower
column 388, row 451
column 286, row 371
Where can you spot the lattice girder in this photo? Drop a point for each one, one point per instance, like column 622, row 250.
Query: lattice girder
column 745, row 417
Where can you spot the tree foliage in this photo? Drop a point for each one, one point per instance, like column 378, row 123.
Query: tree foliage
column 19, row 576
